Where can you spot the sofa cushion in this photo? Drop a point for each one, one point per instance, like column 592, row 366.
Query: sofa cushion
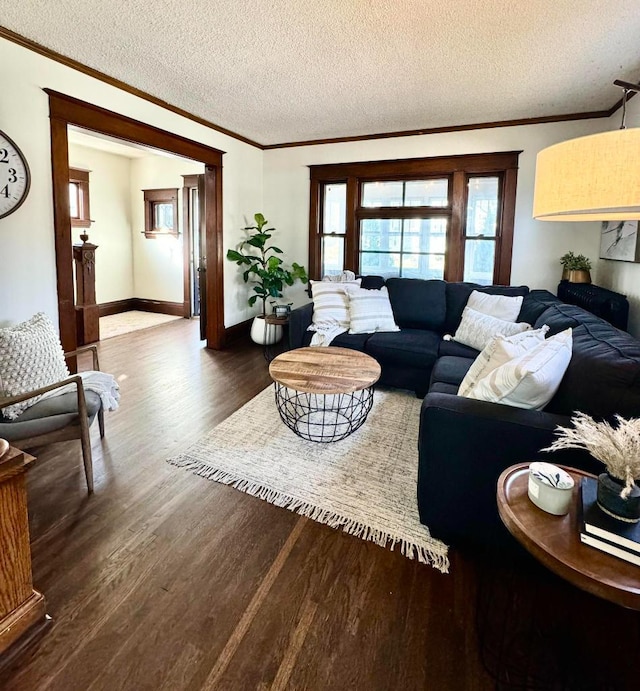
column 441, row 387
column 416, row 303
column 451, row 370
column 560, row 316
column 457, row 295
column 353, row 341
column 409, row 347
column 372, row 282
column 603, row 377
column 534, row 304
column 450, row 347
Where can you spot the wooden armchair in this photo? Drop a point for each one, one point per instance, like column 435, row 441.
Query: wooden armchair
column 60, row 418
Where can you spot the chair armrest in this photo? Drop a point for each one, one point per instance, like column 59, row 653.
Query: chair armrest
column 85, row 349
column 19, row 398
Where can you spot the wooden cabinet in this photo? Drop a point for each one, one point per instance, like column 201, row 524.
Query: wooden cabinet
column 22, row 609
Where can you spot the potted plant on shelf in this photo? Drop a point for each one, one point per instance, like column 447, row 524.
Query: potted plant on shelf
column 619, row 449
column 575, row 268
column 267, row 272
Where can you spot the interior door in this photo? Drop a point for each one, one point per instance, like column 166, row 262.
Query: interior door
column 202, row 258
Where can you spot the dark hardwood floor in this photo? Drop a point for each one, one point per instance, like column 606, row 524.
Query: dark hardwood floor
column 164, row 580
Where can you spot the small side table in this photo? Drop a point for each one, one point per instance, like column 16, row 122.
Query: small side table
column 555, row 541
column 272, row 349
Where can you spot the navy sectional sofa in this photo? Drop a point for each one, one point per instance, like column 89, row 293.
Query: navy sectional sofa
column 465, row 444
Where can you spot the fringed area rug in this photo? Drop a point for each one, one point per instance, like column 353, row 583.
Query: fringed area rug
column 364, row 484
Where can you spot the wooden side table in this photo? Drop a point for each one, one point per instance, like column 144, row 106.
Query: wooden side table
column 272, row 349
column 22, row 609
column 555, row 541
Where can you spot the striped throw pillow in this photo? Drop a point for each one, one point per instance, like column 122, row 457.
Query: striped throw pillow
column 331, row 303
column 370, row 311
column 531, row 380
column 498, row 352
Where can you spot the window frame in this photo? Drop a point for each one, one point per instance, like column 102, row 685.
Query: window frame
column 80, row 178
column 458, row 169
column 168, row 195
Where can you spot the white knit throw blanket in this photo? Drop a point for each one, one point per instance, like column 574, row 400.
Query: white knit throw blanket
column 325, row 332
column 101, row 383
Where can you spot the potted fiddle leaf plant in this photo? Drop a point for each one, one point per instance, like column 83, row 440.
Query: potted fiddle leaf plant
column 267, row 272
column 576, row 268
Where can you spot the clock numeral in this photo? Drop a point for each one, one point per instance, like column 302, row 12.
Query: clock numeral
column 4, row 192
column 12, row 175
column 4, row 156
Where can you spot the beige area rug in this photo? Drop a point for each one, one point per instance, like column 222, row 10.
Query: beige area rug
column 364, row 484
column 126, row 322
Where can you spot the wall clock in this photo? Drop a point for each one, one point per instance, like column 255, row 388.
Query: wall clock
column 15, row 178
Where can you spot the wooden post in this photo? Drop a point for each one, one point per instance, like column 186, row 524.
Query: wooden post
column 22, row 609
column 87, row 312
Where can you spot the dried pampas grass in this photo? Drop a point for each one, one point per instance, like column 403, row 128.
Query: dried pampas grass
column 617, row 447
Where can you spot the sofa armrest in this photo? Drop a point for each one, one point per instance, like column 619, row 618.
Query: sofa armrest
column 299, row 321
column 464, row 445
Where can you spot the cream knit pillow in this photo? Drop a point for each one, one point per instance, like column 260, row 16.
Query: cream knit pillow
column 30, row 357
column 477, row 329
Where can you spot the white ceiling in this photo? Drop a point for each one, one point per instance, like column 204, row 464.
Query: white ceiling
column 289, row 70
column 113, row 145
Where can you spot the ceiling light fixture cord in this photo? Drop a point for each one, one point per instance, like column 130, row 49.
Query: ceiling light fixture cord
column 628, row 88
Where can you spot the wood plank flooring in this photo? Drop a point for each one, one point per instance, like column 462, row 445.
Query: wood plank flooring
column 163, row 580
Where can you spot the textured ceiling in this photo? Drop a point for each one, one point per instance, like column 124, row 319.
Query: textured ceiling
column 288, row 70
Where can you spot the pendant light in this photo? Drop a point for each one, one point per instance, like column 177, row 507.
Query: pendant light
column 593, row 178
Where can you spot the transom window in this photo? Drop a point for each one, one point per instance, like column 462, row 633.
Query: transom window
column 79, row 198
column 448, row 217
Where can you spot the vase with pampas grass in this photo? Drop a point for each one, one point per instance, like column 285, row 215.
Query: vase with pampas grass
column 618, row 447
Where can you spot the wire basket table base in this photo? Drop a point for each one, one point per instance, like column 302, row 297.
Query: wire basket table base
column 323, row 417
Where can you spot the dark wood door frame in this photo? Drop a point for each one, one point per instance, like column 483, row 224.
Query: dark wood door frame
column 65, row 110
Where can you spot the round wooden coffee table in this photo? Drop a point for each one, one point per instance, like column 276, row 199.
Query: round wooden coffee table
column 555, row 541
column 324, row 394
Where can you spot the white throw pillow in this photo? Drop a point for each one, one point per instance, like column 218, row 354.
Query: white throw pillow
column 477, row 329
column 498, row 352
column 30, row 357
column 503, row 307
column 331, row 303
column 370, row 311
column 530, row 380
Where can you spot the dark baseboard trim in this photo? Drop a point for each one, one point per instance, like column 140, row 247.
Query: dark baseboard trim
column 116, row 307
column 237, row 332
column 176, row 309
column 159, row 306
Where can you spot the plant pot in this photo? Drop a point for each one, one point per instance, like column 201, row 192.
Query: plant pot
column 576, row 276
column 265, row 334
column 610, row 501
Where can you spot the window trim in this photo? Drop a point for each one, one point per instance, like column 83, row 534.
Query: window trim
column 457, row 168
column 168, row 195
column 81, row 179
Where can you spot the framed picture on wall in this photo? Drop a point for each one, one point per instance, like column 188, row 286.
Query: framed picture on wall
column 619, row 240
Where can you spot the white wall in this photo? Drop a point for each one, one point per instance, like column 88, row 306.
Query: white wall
column 537, row 245
column 623, row 277
column 110, row 207
column 158, row 262
column 28, row 278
